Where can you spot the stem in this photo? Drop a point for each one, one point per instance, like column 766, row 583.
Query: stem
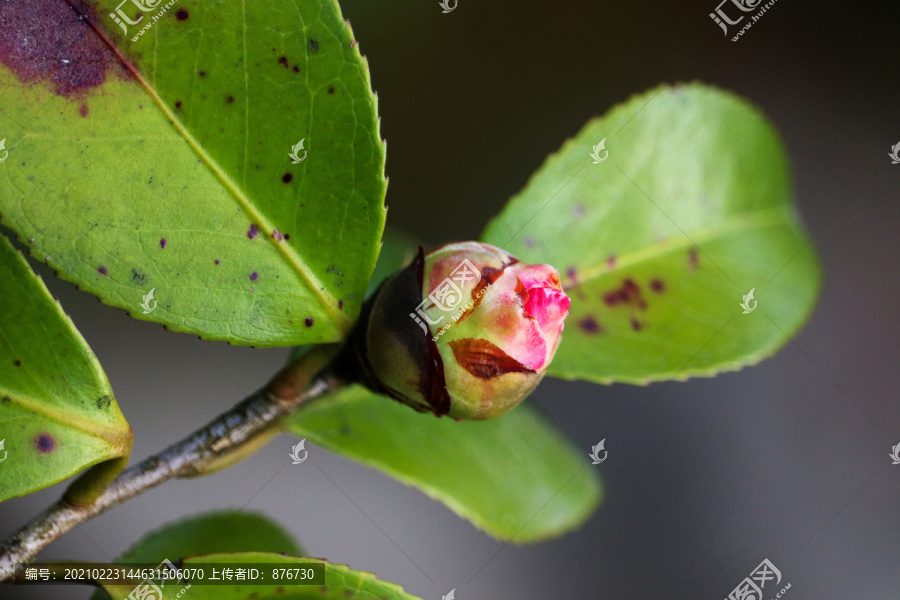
column 200, row 452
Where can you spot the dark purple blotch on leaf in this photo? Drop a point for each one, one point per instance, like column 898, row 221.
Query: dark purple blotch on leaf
column 44, row 443
column 55, row 41
column 589, row 325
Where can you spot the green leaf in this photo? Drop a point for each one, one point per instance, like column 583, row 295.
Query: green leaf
column 58, row 415
column 155, row 177
column 514, row 477
column 658, row 244
column 340, row 581
column 218, row 532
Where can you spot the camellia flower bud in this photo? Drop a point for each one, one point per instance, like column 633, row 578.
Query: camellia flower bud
column 466, row 330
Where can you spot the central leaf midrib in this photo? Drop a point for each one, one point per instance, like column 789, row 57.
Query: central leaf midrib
column 758, row 219
column 327, row 301
column 114, row 436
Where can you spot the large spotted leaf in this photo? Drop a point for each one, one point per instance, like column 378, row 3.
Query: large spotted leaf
column 57, row 411
column 341, row 582
column 156, row 157
column 683, row 210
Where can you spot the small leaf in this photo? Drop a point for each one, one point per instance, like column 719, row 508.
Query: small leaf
column 58, row 415
column 656, row 245
column 213, row 532
column 163, row 163
column 514, row 477
column 340, row 581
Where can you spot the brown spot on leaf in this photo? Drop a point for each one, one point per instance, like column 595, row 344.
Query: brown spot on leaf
column 313, row 45
column 283, row 61
column 331, row 90
column 296, row 69
column 182, row 15
column 693, row 258
column 590, row 325
column 253, row 231
column 485, row 360
column 202, row 73
column 17, row 362
column 83, row 110
column 229, row 100
column 635, row 324
column 628, row 294
column 254, row 276
column 102, row 270
column 163, row 242
column 178, row 104
column 657, row 285
column 308, row 321
column 54, row 40
column 287, row 178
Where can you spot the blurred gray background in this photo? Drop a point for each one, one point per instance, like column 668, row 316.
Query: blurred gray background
column 786, row 461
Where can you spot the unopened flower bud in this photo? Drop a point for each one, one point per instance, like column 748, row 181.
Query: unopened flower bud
column 466, row 330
